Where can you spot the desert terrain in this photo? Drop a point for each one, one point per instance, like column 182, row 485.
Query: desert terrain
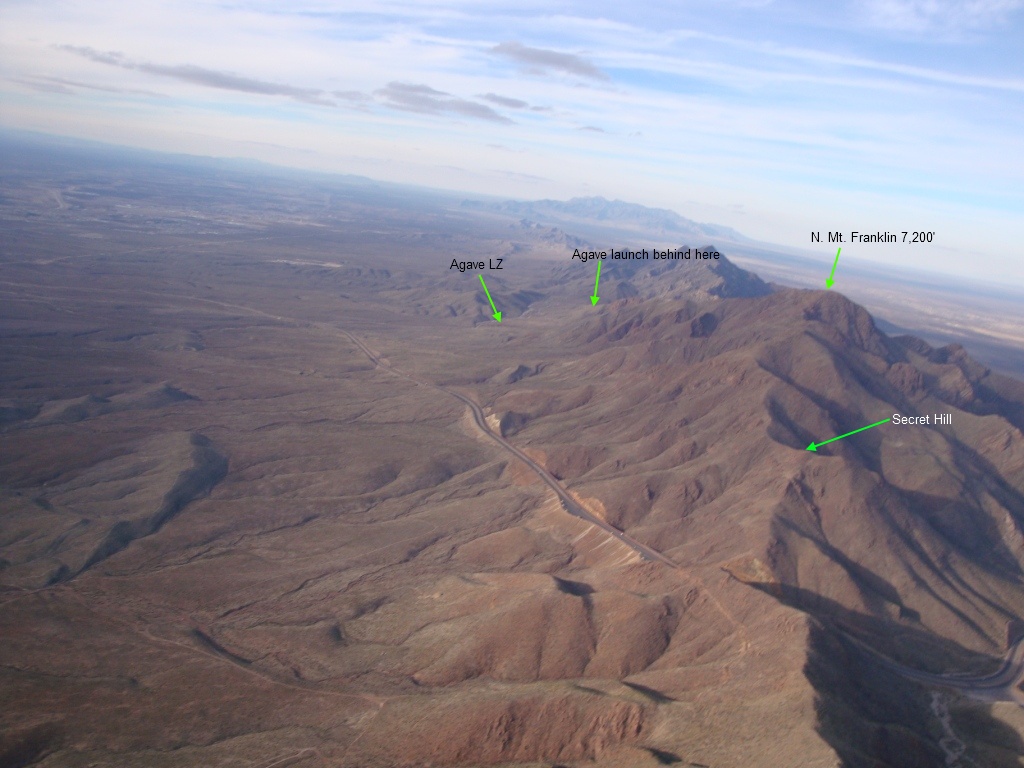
column 277, row 490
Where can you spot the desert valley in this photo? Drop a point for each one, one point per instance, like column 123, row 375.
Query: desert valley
column 279, row 490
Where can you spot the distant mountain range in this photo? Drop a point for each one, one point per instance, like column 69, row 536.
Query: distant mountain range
column 610, row 213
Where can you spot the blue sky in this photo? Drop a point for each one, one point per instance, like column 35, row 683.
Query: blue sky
column 776, row 118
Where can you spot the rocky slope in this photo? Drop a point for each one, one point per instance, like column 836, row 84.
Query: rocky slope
column 228, row 537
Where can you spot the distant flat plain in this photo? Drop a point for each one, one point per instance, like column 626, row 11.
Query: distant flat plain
column 988, row 320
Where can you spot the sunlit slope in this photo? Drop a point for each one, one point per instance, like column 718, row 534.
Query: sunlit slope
column 688, row 423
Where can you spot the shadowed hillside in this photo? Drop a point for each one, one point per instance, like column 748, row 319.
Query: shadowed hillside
column 276, row 485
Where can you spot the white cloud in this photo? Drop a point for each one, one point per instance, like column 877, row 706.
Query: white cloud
column 425, row 100
column 947, row 16
column 543, row 60
column 202, row 76
column 734, row 106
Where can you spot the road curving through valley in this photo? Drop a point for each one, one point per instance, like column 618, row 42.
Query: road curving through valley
column 569, row 504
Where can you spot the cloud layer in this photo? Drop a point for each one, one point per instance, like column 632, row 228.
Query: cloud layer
column 777, row 116
column 956, row 16
column 209, row 78
column 429, row 101
column 544, row 60
column 408, row 97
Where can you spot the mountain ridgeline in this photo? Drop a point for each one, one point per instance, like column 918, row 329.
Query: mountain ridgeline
column 685, row 418
column 249, row 434
column 591, row 211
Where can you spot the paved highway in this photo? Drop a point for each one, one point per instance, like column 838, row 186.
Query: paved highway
column 1000, row 685
column 570, row 505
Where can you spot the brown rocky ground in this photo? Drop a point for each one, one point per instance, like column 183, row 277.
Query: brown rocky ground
column 229, row 539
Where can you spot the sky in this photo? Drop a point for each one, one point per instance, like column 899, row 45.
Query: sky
column 775, row 117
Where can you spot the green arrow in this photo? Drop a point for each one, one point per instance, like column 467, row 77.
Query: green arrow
column 595, row 298
column 816, row 446
column 829, row 280
column 497, row 314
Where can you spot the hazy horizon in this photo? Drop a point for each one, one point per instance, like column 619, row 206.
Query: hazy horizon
column 321, row 450
column 774, row 118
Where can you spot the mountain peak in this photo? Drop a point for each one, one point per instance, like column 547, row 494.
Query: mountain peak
column 692, row 278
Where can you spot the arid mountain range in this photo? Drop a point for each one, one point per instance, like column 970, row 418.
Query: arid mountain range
column 277, row 490
column 591, row 212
